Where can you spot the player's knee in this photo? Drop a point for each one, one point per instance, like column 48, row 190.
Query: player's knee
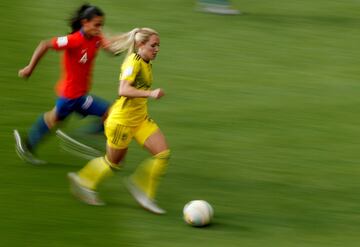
column 50, row 119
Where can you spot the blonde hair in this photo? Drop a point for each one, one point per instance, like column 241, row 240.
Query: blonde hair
column 131, row 40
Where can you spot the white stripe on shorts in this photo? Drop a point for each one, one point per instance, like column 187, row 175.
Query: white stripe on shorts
column 89, row 100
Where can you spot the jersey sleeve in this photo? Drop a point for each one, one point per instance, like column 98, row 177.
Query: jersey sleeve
column 65, row 42
column 130, row 69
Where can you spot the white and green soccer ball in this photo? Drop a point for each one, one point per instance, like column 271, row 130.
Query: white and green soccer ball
column 198, row 213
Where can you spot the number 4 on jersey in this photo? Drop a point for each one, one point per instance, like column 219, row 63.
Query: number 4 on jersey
column 84, row 58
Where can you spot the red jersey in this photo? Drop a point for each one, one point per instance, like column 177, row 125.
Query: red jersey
column 79, row 54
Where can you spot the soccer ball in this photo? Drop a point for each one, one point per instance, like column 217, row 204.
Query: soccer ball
column 198, row 213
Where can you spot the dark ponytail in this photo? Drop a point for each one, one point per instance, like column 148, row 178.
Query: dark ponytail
column 86, row 11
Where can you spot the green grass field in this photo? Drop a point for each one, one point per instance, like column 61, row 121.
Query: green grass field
column 261, row 113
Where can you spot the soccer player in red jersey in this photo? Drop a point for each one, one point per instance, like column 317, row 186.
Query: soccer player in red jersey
column 79, row 52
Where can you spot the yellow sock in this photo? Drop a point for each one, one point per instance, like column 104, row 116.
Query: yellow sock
column 95, row 171
column 147, row 175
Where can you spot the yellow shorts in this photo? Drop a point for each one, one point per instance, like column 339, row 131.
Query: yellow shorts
column 119, row 136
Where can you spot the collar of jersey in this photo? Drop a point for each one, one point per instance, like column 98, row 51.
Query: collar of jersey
column 149, row 62
column 83, row 34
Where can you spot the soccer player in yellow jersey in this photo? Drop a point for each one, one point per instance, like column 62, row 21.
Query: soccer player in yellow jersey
column 128, row 119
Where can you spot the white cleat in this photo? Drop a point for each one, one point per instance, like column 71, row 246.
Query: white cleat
column 77, row 148
column 84, row 194
column 23, row 152
column 143, row 199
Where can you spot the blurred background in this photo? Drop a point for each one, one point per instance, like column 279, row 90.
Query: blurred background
column 261, row 113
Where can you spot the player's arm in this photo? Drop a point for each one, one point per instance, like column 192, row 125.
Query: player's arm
column 127, row 90
column 39, row 52
column 106, row 45
column 56, row 43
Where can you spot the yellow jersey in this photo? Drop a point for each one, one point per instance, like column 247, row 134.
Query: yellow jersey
column 132, row 111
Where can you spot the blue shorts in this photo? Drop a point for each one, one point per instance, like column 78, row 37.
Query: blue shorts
column 84, row 105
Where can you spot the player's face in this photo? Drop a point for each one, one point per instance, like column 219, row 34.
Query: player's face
column 149, row 50
column 94, row 26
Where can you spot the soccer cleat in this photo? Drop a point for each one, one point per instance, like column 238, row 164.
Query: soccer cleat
column 23, row 152
column 84, row 194
column 143, row 199
column 77, row 148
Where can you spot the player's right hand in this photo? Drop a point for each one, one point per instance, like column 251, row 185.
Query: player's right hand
column 156, row 93
column 25, row 72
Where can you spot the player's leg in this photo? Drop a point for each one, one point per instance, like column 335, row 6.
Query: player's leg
column 47, row 121
column 93, row 106
column 38, row 131
column 79, row 142
column 85, row 182
column 148, row 174
column 99, row 168
column 150, row 171
column 41, row 128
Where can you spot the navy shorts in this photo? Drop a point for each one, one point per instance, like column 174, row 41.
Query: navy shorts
column 84, row 105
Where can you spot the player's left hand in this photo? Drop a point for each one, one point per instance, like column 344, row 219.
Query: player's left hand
column 25, row 72
column 157, row 93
